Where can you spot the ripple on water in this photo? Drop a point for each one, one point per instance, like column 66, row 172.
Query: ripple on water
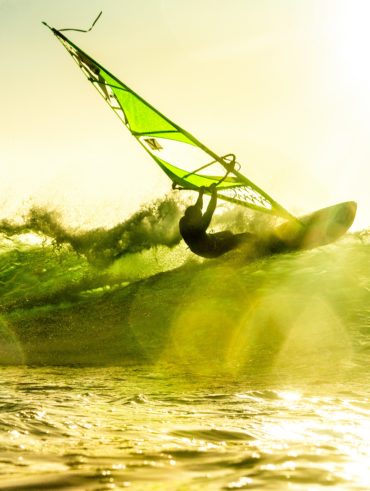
column 91, row 432
column 213, row 435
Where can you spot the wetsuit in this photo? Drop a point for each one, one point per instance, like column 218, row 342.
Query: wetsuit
column 193, row 226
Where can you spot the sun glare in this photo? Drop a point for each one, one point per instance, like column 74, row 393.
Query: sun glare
column 350, row 37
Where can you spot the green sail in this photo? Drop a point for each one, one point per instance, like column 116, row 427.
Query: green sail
column 186, row 161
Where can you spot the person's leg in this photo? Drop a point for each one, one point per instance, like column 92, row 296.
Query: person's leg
column 226, row 241
column 244, row 238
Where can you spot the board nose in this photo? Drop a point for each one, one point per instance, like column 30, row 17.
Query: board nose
column 346, row 214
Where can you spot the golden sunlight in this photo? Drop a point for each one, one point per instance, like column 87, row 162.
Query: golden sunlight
column 350, row 36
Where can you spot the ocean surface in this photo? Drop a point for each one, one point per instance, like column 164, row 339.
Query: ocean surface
column 152, row 370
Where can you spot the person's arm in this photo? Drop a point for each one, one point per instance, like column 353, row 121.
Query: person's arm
column 199, row 202
column 207, row 217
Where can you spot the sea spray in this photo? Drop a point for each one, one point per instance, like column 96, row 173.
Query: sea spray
column 43, row 261
column 155, row 224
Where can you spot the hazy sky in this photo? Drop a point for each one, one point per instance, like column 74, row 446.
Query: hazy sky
column 283, row 84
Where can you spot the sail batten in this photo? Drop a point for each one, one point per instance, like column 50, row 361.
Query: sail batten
column 187, row 162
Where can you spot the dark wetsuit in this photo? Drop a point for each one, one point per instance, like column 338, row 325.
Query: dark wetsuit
column 193, row 228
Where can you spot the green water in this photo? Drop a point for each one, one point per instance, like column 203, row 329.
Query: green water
column 160, row 372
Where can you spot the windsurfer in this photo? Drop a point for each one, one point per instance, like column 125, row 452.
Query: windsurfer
column 194, row 224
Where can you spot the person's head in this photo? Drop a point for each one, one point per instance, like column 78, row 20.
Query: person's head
column 193, row 213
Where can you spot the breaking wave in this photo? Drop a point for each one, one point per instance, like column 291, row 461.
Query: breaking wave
column 135, row 293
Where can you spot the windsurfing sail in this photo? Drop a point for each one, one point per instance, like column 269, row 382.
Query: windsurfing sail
column 186, row 161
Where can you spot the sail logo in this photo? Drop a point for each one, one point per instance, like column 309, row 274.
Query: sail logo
column 153, row 144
